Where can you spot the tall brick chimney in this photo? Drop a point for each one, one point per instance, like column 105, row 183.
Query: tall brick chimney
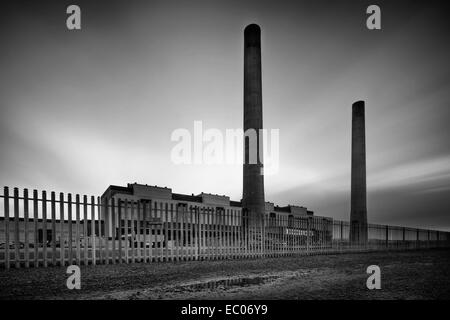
column 253, row 186
column 358, row 212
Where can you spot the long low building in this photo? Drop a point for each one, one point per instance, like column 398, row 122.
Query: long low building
column 143, row 193
column 204, row 208
column 137, row 211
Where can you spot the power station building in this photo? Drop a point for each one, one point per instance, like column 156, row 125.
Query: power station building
column 158, row 205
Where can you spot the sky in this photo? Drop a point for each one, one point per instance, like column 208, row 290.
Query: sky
column 83, row 109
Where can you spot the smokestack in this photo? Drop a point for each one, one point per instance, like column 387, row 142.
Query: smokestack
column 358, row 212
column 253, row 188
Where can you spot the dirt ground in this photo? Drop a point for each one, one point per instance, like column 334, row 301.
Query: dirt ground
column 404, row 275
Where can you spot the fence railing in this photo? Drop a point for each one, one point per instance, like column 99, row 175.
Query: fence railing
column 48, row 230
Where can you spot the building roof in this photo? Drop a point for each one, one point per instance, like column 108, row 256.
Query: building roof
column 147, row 191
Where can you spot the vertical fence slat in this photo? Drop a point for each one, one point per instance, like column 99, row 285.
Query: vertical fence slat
column 237, row 231
column 146, row 206
column 217, row 236
column 119, row 226
column 187, row 234
column 93, row 237
column 228, row 233
column 295, row 237
column 233, row 235
column 205, row 233
column 100, row 227
column 126, row 228
column 36, row 221
column 238, row 245
column 225, row 233
column 69, row 225
column 154, row 231
column 308, row 235
column 198, row 233
column 217, row 233
column 53, row 214
column 210, row 233
column 133, row 231
column 107, row 223
column 202, row 232
column 16, row 229
column 77, row 231
column 172, row 233
column 152, row 238
column 177, row 220
column 85, row 235
column 220, row 225
column 44, row 227
column 6, row 211
column 160, row 233
column 182, row 231
column 262, row 235
column 191, row 232
column 138, row 230
column 232, row 241
column 26, row 230
column 250, row 235
column 113, row 230
column 61, row 230
column 243, row 232
column 213, row 234
column 166, row 231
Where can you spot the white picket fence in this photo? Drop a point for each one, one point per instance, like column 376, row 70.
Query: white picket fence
column 40, row 230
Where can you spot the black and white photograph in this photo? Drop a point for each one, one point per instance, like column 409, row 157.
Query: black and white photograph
column 224, row 155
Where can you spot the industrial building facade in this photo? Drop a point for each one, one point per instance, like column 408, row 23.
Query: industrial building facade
column 156, row 206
